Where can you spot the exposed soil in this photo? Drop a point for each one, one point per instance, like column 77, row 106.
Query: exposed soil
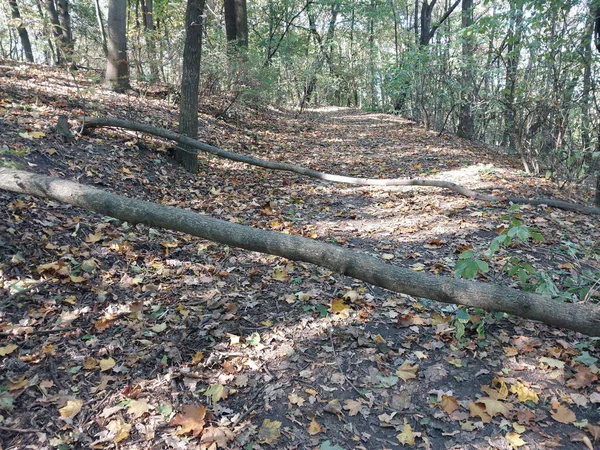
column 121, row 336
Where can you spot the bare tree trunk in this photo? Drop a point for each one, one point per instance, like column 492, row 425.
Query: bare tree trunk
column 513, row 49
column 236, row 24
column 149, row 36
column 64, row 18
column 23, row 34
column 190, row 81
column 101, row 27
column 117, row 64
column 56, row 30
column 466, row 125
column 584, row 318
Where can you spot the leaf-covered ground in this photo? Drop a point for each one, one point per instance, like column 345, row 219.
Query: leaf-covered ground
column 120, row 336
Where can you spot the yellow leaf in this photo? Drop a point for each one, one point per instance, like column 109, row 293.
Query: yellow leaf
column 407, row 371
column 338, row 305
column 494, row 407
column 71, row 409
column 387, row 256
column 107, row 364
column 295, row 399
column 417, row 267
column 77, row 279
column 280, row 274
column 137, row 408
column 8, row 349
column 198, row 356
column 314, row 428
column 119, row 429
column 524, row 393
column 92, row 238
column 514, row 440
column 406, row 437
column 498, row 391
column 269, row 431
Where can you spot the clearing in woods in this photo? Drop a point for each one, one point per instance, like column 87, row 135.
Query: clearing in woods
column 136, row 338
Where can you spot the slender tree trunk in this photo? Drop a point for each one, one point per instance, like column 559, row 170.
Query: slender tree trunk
column 56, row 30
column 117, row 64
column 23, row 35
column 64, row 18
column 466, row 126
column 372, row 53
column 150, row 38
column 513, row 50
column 190, row 80
column 101, row 27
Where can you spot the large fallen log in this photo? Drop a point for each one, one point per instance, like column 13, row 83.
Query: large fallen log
column 584, row 318
column 91, row 122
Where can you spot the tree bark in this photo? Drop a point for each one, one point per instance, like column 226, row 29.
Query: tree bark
column 64, row 18
column 117, row 64
column 236, row 23
column 427, row 30
column 274, row 165
column 190, row 80
column 23, row 34
column 584, row 318
column 466, row 125
column 56, row 30
column 101, row 27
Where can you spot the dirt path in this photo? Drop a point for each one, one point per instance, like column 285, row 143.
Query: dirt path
column 167, row 337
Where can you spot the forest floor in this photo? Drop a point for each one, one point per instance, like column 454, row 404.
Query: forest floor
column 122, row 336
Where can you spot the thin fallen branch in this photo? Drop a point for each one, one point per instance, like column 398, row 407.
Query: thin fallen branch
column 20, row 430
column 38, row 332
column 584, row 318
column 274, row 165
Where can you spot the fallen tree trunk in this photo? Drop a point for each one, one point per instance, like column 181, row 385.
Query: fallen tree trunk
column 584, row 318
column 274, row 165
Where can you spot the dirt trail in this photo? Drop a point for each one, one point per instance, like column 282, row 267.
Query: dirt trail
column 281, row 355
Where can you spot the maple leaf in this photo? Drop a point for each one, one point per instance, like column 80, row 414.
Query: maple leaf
column 295, row 399
column 478, row 410
column 449, row 404
column 269, row 431
column 583, row 378
column 137, row 408
column 334, row 407
column 407, row 370
column 407, row 436
column 218, row 435
column 190, row 420
column 119, row 429
column 514, row 439
column 353, row 406
column 494, row 407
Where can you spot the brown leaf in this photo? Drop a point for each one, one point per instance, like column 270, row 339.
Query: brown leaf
column 352, row 406
column 563, row 414
column 449, row 404
column 314, row 427
column 190, row 420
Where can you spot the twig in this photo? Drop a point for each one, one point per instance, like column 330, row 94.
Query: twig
column 20, row 430
column 27, row 289
column 342, row 370
column 40, row 332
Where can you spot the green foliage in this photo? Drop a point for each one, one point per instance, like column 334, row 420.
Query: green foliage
column 469, row 266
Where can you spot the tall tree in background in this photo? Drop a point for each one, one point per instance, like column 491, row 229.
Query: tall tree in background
column 427, row 29
column 117, row 64
column 64, row 19
column 466, row 125
column 236, row 24
column 190, row 81
column 23, row 35
column 101, row 27
column 150, row 38
column 56, row 30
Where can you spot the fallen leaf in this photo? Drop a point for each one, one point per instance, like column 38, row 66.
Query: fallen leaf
column 514, row 440
column 70, row 410
column 119, row 429
column 269, row 431
column 106, row 364
column 449, row 404
column 524, row 393
column 352, row 406
column 563, row 414
column 8, row 349
column 407, row 371
column 137, row 408
column 406, row 437
column 190, row 420
column 314, row 428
